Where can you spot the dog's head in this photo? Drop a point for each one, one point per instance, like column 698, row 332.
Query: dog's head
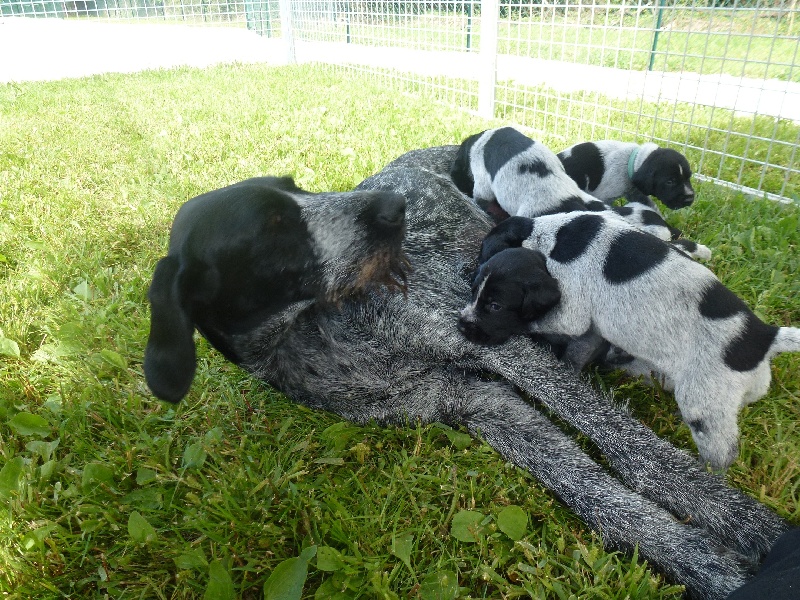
column 357, row 240
column 461, row 171
column 510, row 290
column 666, row 174
column 244, row 254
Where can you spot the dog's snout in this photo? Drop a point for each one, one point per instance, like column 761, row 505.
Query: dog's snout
column 390, row 210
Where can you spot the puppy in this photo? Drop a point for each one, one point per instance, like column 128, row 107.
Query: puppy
column 507, row 173
column 641, row 295
column 523, row 177
column 247, row 251
column 609, row 170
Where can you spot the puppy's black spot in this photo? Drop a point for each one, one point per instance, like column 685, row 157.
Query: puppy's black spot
column 574, row 238
column 510, row 233
column 567, row 205
column 461, row 171
column 748, row 350
column 504, row 145
column 718, row 302
column 651, row 217
column 584, row 165
column 596, row 206
column 536, row 167
column 697, row 426
column 632, row 254
column 752, row 344
column 623, row 211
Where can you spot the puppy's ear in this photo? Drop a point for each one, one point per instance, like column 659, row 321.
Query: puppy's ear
column 169, row 358
column 540, row 296
column 506, row 234
column 644, row 177
column 461, row 171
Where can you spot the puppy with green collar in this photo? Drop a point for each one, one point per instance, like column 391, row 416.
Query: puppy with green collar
column 609, row 170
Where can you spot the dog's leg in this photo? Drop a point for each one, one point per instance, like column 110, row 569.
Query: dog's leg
column 624, row 518
column 710, row 406
column 169, row 357
column 583, row 350
column 646, row 463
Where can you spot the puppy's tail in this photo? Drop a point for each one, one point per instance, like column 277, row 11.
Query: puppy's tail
column 169, row 358
column 787, row 340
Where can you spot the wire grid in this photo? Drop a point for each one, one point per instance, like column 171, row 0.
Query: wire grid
column 720, row 83
column 259, row 15
column 717, row 79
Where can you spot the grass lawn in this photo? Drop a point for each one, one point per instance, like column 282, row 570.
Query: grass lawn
column 107, row 492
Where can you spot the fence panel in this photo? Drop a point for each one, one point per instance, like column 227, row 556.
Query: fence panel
column 719, row 81
column 716, row 79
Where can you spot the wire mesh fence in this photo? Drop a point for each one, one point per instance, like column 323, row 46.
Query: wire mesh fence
column 717, row 79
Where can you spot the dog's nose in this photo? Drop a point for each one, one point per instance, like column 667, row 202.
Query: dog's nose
column 390, row 210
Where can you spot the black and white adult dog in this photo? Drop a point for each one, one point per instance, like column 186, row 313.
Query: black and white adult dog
column 602, row 280
column 610, row 169
column 397, row 357
column 508, row 173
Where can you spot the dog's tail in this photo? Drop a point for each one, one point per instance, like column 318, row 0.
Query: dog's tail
column 169, row 358
column 787, row 340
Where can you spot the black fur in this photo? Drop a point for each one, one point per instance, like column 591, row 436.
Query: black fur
column 632, row 254
column 585, row 166
column 573, row 239
column 665, row 174
column 504, row 145
column 511, row 288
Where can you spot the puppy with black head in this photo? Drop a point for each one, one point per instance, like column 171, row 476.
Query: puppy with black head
column 620, row 286
column 610, row 169
column 507, row 173
column 522, row 176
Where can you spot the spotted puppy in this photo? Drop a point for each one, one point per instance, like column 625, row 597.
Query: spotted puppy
column 508, row 173
column 609, row 170
column 639, row 294
column 524, row 177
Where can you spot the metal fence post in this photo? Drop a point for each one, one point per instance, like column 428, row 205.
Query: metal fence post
column 287, row 31
column 490, row 13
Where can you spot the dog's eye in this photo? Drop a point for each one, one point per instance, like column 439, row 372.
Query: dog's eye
column 671, row 181
column 493, row 307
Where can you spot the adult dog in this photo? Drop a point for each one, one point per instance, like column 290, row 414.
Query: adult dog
column 610, row 169
column 393, row 357
column 597, row 279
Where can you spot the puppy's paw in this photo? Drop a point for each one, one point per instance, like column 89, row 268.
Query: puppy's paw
column 692, row 249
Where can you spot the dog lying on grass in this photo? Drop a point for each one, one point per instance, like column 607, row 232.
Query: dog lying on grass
column 595, row 279
column 344, row 339
column 610, row 169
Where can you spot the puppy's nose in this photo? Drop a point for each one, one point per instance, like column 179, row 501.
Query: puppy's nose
column 390, row 210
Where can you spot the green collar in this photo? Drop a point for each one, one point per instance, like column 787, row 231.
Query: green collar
column 631, row 161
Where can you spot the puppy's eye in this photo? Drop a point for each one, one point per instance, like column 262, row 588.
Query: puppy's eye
column 671, row 181
column 494, row 307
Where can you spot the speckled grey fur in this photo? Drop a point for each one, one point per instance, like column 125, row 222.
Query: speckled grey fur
column 396, row 357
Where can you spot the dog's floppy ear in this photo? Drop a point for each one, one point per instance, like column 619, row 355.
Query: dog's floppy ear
column 540, row 298
column 542, row 292
column 461, row 171
column 644, row 177
column 169, row 358
column 506, row 234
